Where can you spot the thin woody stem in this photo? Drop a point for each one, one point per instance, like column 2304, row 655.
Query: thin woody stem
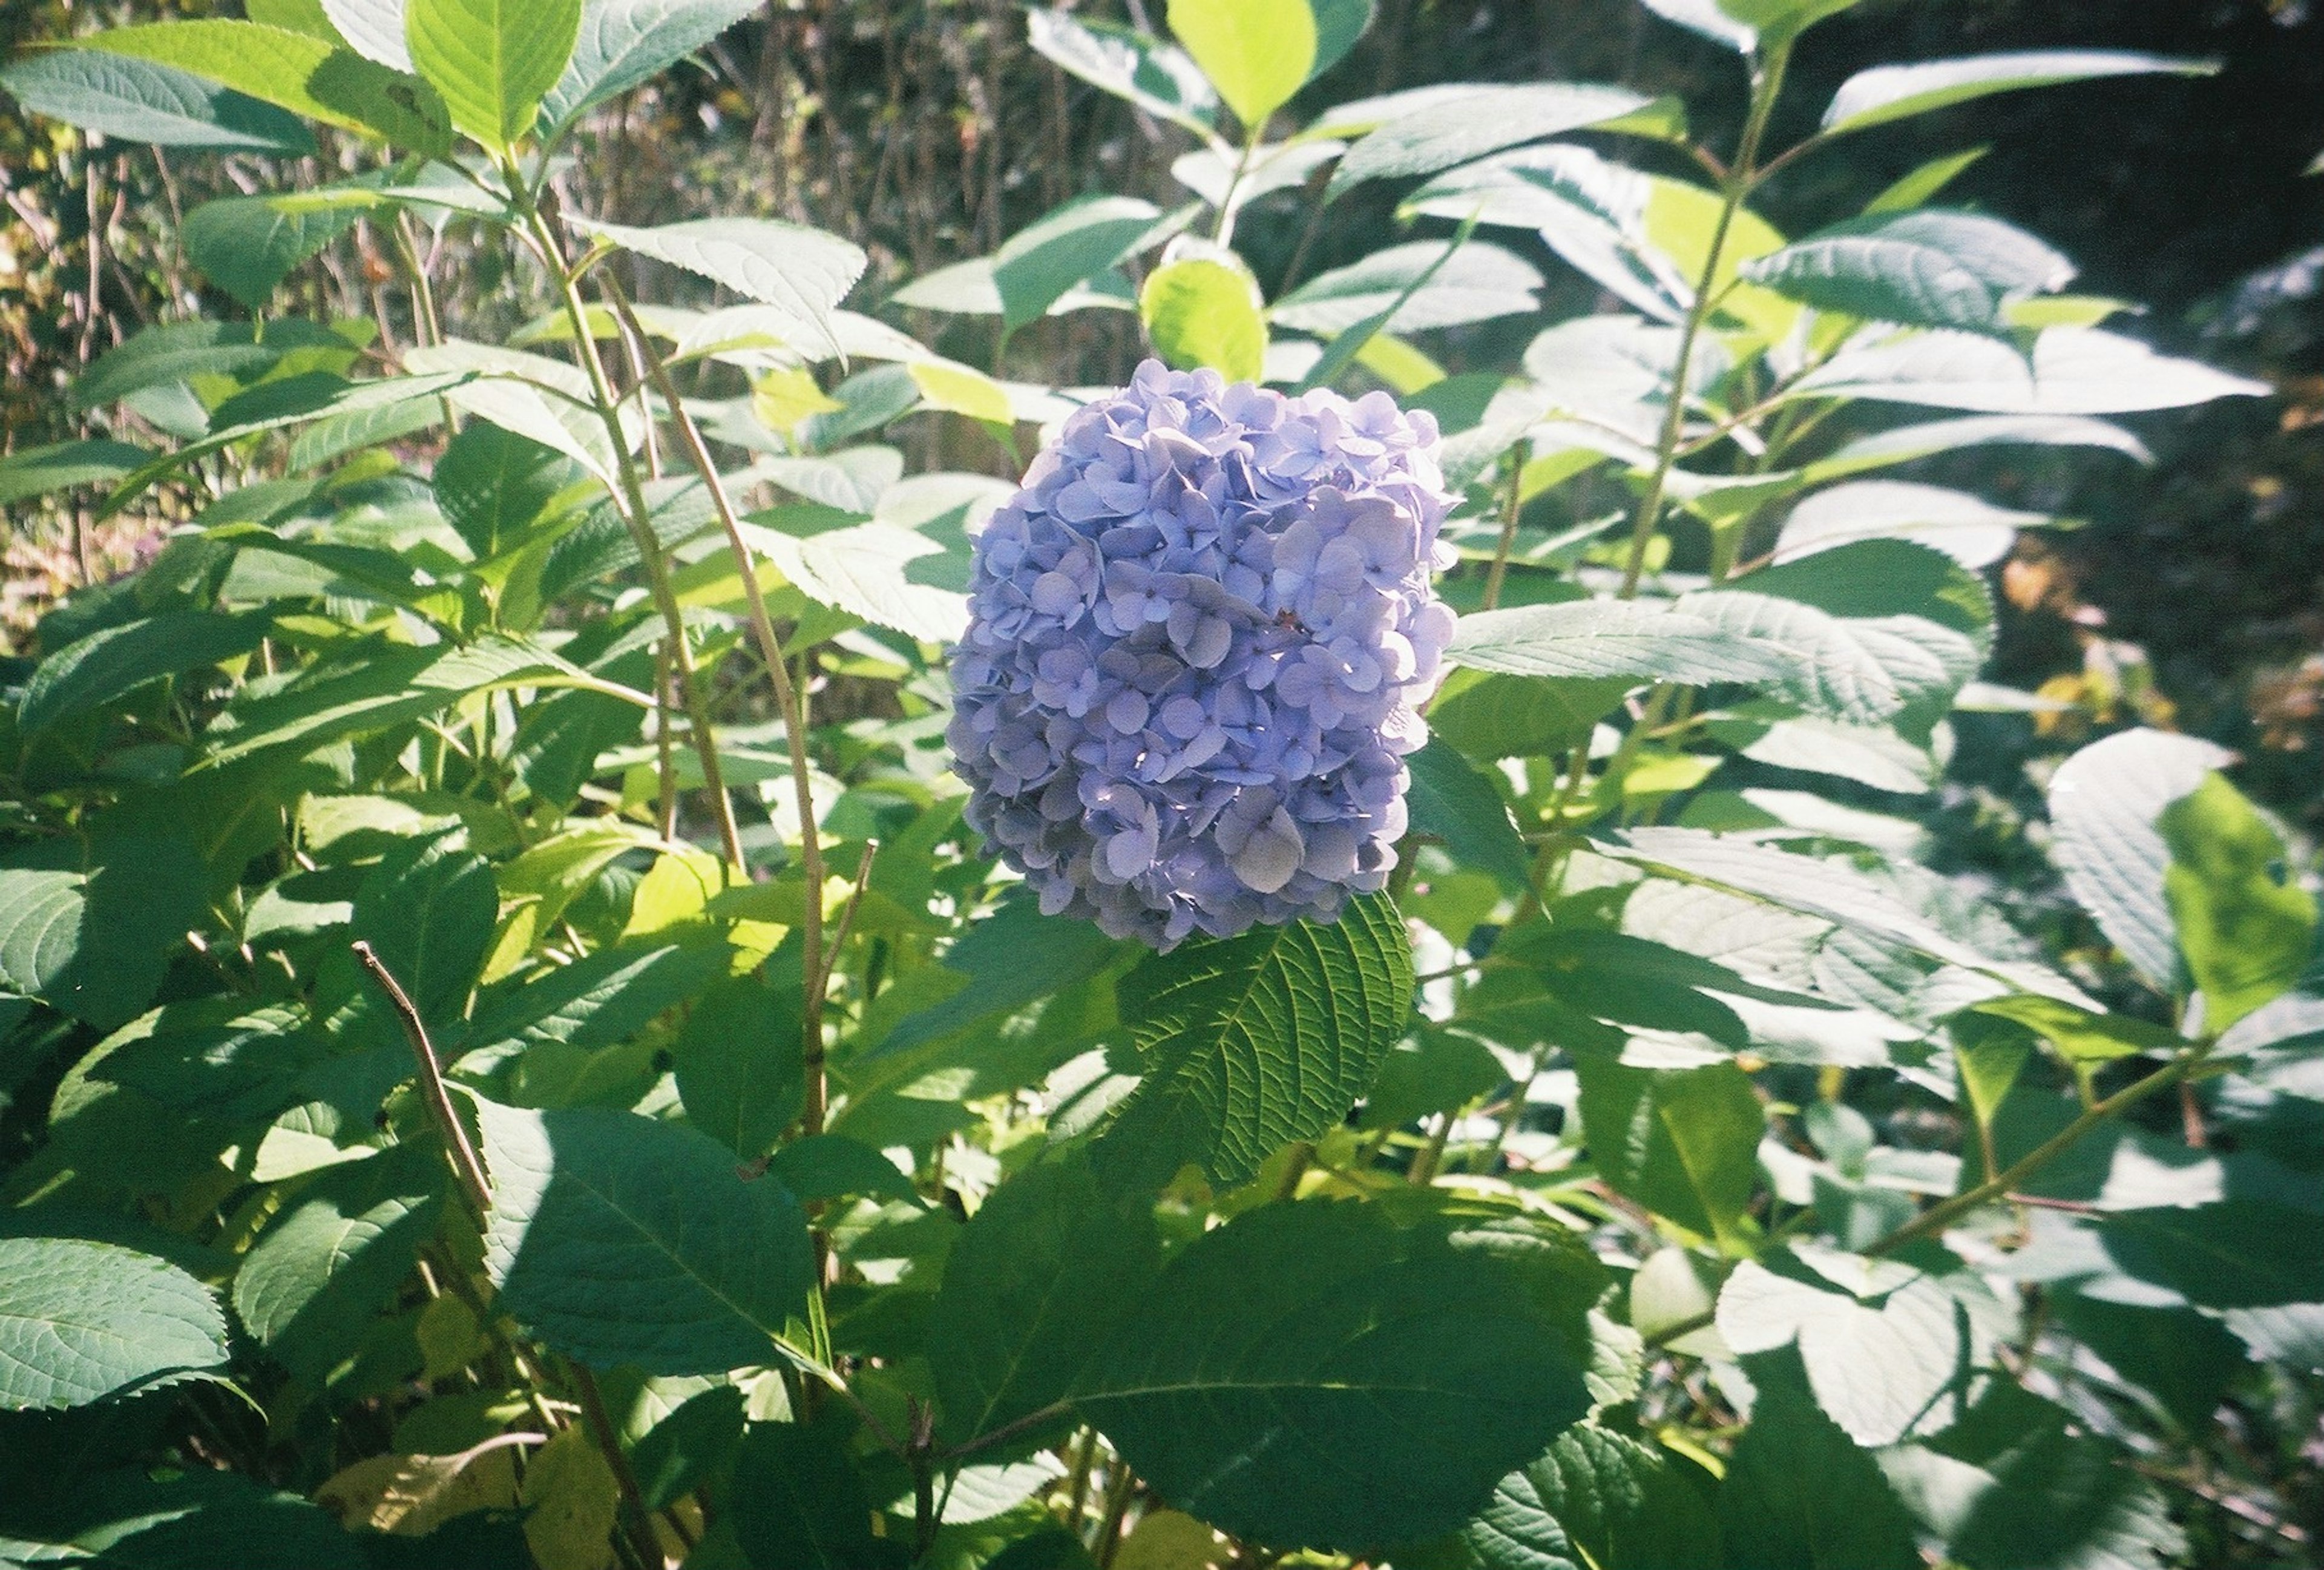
column 466, row 1165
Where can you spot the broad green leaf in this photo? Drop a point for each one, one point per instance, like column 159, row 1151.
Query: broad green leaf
column 2014, row 1487
column 1238, row 1381
column 2104, row 804
column 969, row 289
column 1256, row 52
column 1249, row 1043
column 1906, row 443
column 494, row 485
column 307, row 16
column 789, row 268
column 308, row 76
column 1605, row 638
column 1034, row 1289
column 1596, row 1501
column 2082, row 1036
column 1066, row 246
column 1013, row 957
column 247, row 245
column 1927, row 268
column 492, row 59
column 80, row 1321
column 1463, row 808
column 866, row 570
column 90, row 929
column 117, row 660
column 1970, row 530
column 36, row 471
column 1200, row 311
column 676, row 1454
column 387, row 688
column 1683, row 218
column 739, row 1067
column 570, row 1499
column 1921, row 185
column 428, row 908
column 1886, row 93
column 2245, row 926
column 600, row 999
column 796, row 1500
column 138, row 100
column 1156, row 77
column 2074, row 371
column 1339, row 25
column 2182, row 1359
column 615, row 1238
column 1481, row 120
column 1492, row 717
column 1476, row 283
column 1799, row 1492
column 374, row 28
column 2231, row 1254
column 1683, row 1142
column 958, row 389
column 820, row 1168
column 1879, row 1368
column 174, row 351
column 622, row 43
column 332, row 1257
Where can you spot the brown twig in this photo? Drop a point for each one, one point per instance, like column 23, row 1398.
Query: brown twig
column 466, row 1165
column 634, row 1516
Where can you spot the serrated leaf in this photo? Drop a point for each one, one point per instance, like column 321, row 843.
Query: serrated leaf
column 1481, row 120
column 1925, row 268
column 1156, row 77
column 91, row 929
column 622, row 43
column 247, row 245
column 1199, row 311
column 1970, row 530
column 740, row 1071
column 1683, row 1142
column 2073, row 370
column 2246, row 927
column 142, row 100
column 1886, row 93
column 80, row 1321
column 1799, row 1492
column 1462, row 808
column 1876, row 1370
column 788, row 268
column 1606, row 638
column 1249, row 1043
column 1235, row 1384
column 1596, row 1501
column 1034, row 1289
column 1256, row 52
column 174, row 351
column 614, row 1238
column 117, row 660
column 2104, row 804
column 308, row 76
column 1476, row 283
column 492, row 59
column 493, row 485
column 1066, row 246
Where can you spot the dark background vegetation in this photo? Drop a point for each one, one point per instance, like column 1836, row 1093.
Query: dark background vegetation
column 926, row 130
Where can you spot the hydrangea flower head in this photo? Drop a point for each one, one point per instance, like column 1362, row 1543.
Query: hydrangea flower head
column 1198, row 638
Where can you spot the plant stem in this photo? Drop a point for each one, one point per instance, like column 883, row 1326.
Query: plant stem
column 634, row 1516
column 638, row 515
column 1512, row 504
column 1767, row 86
column 466, row 1165
column 1938, row 1215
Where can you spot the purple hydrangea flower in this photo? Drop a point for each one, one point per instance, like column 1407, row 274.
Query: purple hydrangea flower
column 1197, row 638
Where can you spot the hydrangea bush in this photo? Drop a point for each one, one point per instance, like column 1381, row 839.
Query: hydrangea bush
column 1198, row 639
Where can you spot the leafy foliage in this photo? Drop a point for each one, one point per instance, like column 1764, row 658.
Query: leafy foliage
column 494, row 963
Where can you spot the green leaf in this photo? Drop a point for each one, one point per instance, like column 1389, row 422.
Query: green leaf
column 1156, row 77
column 1904, row 443
column 678, row 1452
column 494, row 485
column 1337, row 1376
column 600, row 999
column 1877, row 1369
column 1256, row 52
column 825, row 1167
column 140, row 100
column 2182, row 1359
column 1492, row 717
column 326, row 1263
column 798, row 1502
column 374, row 28
column 492, row 59
column 623, row 43
column 174, row 351
column 1596, row 1501
column 740, row 1070
column 35, row 471
column 799, row 272
column 1249, row 1043
column 2082, row 1036
column 1973, row 531
column 2246, row 927
column 1798, row 1492
column 1035, row 1287
column 1064, row 247
column 1013, row 958
column 1483, row 119
column 1465, row 810
column 2104, row 804
column 1607, row 638
column 2074, row 370
column 865, row 570
column 1339, row 25
column 1921, row 185
column 308, row 76
column 1926, row 268
column 247, row 245
column 117, row 660
column 2231, row 1254
column 1476, row 283
column 80, row 1321
column 1199, row 312
column 1683, row 1142
column 615, row 1238
column 428, row 909
column 90, row 929
column 1886, row 93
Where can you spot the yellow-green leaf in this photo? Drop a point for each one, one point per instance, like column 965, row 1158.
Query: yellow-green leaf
column 1256, row 52
column 1199, row 312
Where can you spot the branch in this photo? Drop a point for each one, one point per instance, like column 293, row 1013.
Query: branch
column 466, row 1165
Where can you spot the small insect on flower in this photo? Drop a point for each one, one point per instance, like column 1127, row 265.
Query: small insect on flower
column 1198, row 638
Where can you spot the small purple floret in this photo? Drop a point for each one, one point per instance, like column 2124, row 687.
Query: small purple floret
column 1198, row 637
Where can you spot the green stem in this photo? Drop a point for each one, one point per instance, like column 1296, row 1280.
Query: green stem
column 1512, row 504
column 638, row 515
column 1767, row 86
